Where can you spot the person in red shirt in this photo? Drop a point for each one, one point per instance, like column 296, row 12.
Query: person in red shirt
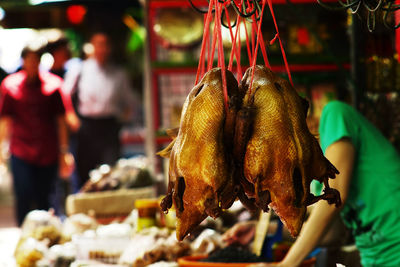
column 31, row 106
column 103, row 100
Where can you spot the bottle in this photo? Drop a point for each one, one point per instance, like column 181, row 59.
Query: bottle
column 148, row 209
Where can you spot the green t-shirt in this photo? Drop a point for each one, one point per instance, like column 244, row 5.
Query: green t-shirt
column 372, row 209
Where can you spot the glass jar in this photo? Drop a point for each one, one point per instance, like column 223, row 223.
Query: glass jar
column 148, row 210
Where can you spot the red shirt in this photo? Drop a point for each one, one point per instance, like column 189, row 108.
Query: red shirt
column 33, row 109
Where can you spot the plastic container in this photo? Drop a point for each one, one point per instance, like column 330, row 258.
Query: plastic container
column 193, row 261
column 147, row 212
column 107, row 250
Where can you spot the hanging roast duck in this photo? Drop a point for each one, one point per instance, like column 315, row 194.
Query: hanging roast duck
column 263, row 153
column 282, row 157
column 201, row 169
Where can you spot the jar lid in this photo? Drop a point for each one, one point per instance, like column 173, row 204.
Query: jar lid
column 147, row 203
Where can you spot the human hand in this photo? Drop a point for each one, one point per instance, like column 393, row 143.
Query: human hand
column 3, row 160
column 241, row 233
column 66, row 165
column 73, row 121
column 4, row 153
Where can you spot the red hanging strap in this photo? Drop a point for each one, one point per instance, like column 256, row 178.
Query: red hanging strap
column 263, row 50
column 233, row 39
column 260, row 39
column 238, row 48
column 280, row 42
column 212, row 51
column 273, row 39
column 238, row 44
column 234, row 50
column 202, row 68
column 258, row 42
column 253, row 31
column 205, row 38
column 221, row 58
column 217, row 31
column 247, row 41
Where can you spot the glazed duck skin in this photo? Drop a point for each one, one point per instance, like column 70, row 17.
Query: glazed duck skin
column 282, row 157
column 200, row 170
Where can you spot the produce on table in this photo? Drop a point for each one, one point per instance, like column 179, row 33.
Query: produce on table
column 232, row 255
column 126, row 173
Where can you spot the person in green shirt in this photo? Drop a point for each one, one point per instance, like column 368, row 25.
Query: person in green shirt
column 369, row 185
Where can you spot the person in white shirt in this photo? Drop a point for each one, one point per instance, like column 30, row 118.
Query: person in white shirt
column 103, row 99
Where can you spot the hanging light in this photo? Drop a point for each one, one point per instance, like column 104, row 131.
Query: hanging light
column 76, row 14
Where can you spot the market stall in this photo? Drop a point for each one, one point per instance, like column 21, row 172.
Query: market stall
column 233, row 97
column 116, row 219
column 145, row 238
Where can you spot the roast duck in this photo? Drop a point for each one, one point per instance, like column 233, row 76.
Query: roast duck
column 258, row 149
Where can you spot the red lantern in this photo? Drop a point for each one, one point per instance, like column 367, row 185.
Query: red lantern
column 303, row 36
column 76, row 13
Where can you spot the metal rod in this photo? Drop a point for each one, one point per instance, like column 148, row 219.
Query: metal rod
column 356, row 54
column 150, row 142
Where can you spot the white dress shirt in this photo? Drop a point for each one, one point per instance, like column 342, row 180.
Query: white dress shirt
column 103, row 91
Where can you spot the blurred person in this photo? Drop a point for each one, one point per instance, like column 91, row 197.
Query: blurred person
column 3, row 74
column 61, row 53
column 103, row 99
column 33, row 112
column 369, row 185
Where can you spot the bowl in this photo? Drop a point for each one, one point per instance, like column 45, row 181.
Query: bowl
column 178, row 28
column 193, row 261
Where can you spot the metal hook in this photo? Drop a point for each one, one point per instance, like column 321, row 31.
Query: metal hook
column 371, row 18
column 259, row 10
column 390, row 8
column 331, row 7
column 371, row 6
column 254, row 4
column 245, row 14
column 223, row 23
column 385, row 18
column 354, row 3
column 357, row 7
column 198, row 9
column 236, row 8
column 253, row 12
column 374, row 9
